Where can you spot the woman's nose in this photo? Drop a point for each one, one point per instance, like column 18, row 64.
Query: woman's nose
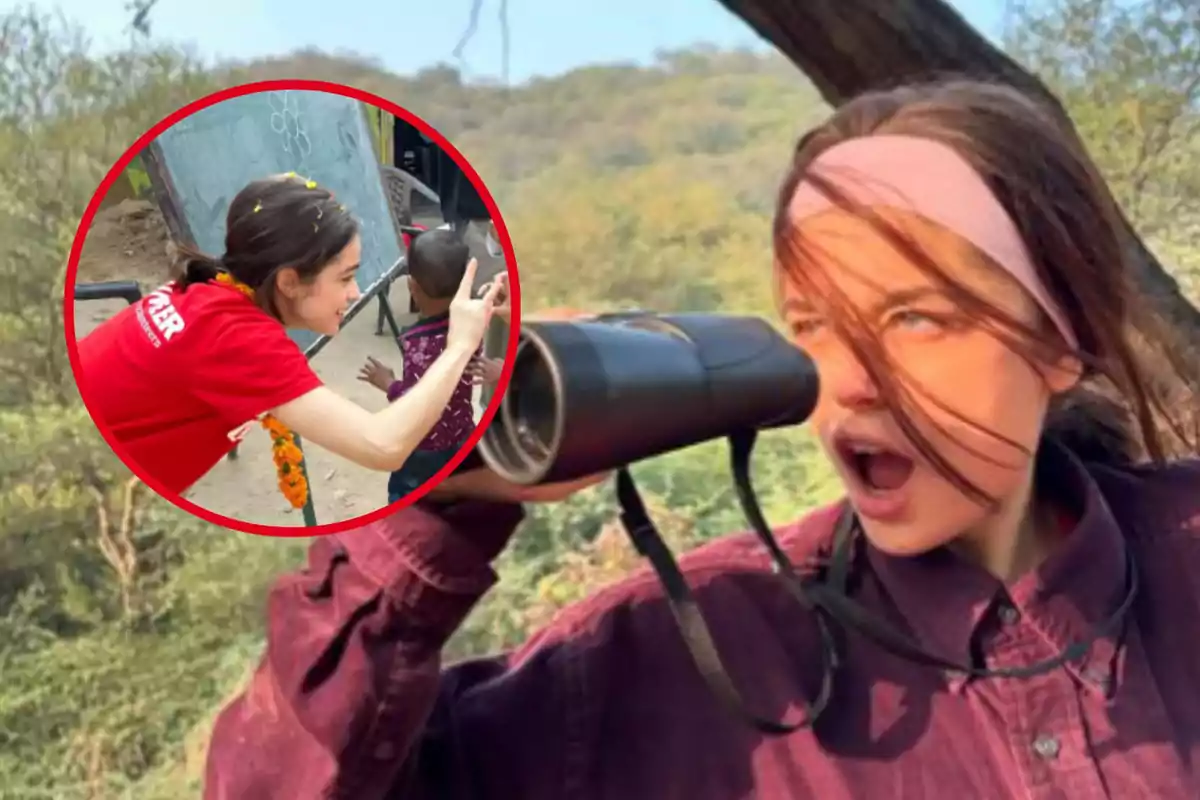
column 846, row 380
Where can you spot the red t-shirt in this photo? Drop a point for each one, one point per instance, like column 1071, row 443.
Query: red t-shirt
column 180, row 377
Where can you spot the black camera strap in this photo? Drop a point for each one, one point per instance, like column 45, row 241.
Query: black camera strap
column 823, row 591
column 696, row 635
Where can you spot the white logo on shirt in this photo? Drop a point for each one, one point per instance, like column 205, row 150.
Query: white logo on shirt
column 163, row 314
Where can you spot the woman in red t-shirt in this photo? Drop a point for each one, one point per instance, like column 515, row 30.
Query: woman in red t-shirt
column 180, row 377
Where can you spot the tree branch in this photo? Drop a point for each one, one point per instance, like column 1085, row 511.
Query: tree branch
column 117, row 546
column 472, row 26
column 847, row 47
column 505, row 35
column 141, row 15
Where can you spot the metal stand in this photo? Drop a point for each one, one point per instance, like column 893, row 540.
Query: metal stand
column 309, row 512
column 129, row 291
column 385, row 313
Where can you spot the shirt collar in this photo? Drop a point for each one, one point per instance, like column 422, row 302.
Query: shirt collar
column 442, row 317
column 945, row 600
column 433, row 321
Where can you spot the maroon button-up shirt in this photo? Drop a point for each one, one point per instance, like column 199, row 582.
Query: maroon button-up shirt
column 352, row 700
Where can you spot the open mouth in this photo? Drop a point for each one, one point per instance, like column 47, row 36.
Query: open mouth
column 877, row 467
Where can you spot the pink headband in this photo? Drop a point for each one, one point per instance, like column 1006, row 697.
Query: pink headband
column 929, row 179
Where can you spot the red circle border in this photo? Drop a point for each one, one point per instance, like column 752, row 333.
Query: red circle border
column 384, row 104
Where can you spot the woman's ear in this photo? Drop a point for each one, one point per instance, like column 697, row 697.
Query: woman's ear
column 1064, row 374
column 288, row 283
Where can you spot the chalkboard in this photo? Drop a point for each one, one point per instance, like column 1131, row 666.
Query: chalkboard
column 199, row 165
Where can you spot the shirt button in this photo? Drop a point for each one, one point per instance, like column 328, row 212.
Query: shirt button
column 1008, row 615
column 1046, row 746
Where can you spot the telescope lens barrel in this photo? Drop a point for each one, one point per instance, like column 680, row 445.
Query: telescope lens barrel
column 532, row 404
column 587, row 397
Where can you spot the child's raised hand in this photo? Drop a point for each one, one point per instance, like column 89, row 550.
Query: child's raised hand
column 471, row 311
column 503, row 306
column 376, row 374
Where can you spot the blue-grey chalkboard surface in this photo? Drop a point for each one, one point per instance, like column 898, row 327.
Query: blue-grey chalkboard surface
column 202, row 162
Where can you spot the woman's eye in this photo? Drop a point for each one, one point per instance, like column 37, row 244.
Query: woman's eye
column 806, row 327
column 914, row 320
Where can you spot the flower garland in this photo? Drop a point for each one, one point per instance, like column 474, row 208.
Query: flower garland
column 289, row 460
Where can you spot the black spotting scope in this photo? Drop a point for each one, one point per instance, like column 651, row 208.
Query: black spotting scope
column 593, row 395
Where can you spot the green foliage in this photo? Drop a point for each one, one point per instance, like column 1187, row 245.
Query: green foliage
column 139, row 180
column 64, row 119
column 125, row 624
column 1130, row 74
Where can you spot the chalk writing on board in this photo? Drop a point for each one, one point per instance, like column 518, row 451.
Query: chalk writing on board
column 251, row 137
column 285, row 121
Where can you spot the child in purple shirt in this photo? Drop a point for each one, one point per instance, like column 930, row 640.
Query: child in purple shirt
column 437, row 260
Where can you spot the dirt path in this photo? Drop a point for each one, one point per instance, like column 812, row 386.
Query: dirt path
column 128, row 242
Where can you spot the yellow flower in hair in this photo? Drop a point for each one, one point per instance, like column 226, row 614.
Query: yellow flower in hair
column 225, row 279
column 258, row 206
column 310, row 184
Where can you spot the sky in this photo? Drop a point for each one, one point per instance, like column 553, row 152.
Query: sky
column 548, row 37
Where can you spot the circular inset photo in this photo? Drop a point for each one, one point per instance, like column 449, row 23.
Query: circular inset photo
column 290, row 307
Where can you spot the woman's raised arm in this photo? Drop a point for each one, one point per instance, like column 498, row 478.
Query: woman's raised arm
column 385, row 439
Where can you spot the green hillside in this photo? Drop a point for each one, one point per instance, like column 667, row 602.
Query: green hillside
column 621, row 186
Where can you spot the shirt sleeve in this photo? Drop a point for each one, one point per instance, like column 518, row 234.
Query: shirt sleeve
column 408, row 373
column 247, row 365
column 345, row 696
column 396, row 390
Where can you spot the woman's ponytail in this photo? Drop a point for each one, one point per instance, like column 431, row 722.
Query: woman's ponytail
column 194, row 266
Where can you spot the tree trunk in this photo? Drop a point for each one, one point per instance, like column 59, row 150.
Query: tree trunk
column 847, row 47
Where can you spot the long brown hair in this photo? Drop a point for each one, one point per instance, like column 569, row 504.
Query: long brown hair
column 272, row 223
column 1122, row 410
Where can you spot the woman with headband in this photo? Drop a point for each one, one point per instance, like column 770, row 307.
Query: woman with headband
column 1010, row 582
column 179, row 377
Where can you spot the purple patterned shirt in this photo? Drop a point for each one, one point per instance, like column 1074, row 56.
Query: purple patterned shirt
column 422, row 343
column 352, row 699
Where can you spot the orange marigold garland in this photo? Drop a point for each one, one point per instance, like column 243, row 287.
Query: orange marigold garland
column 287, row 456
column 288, row 462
